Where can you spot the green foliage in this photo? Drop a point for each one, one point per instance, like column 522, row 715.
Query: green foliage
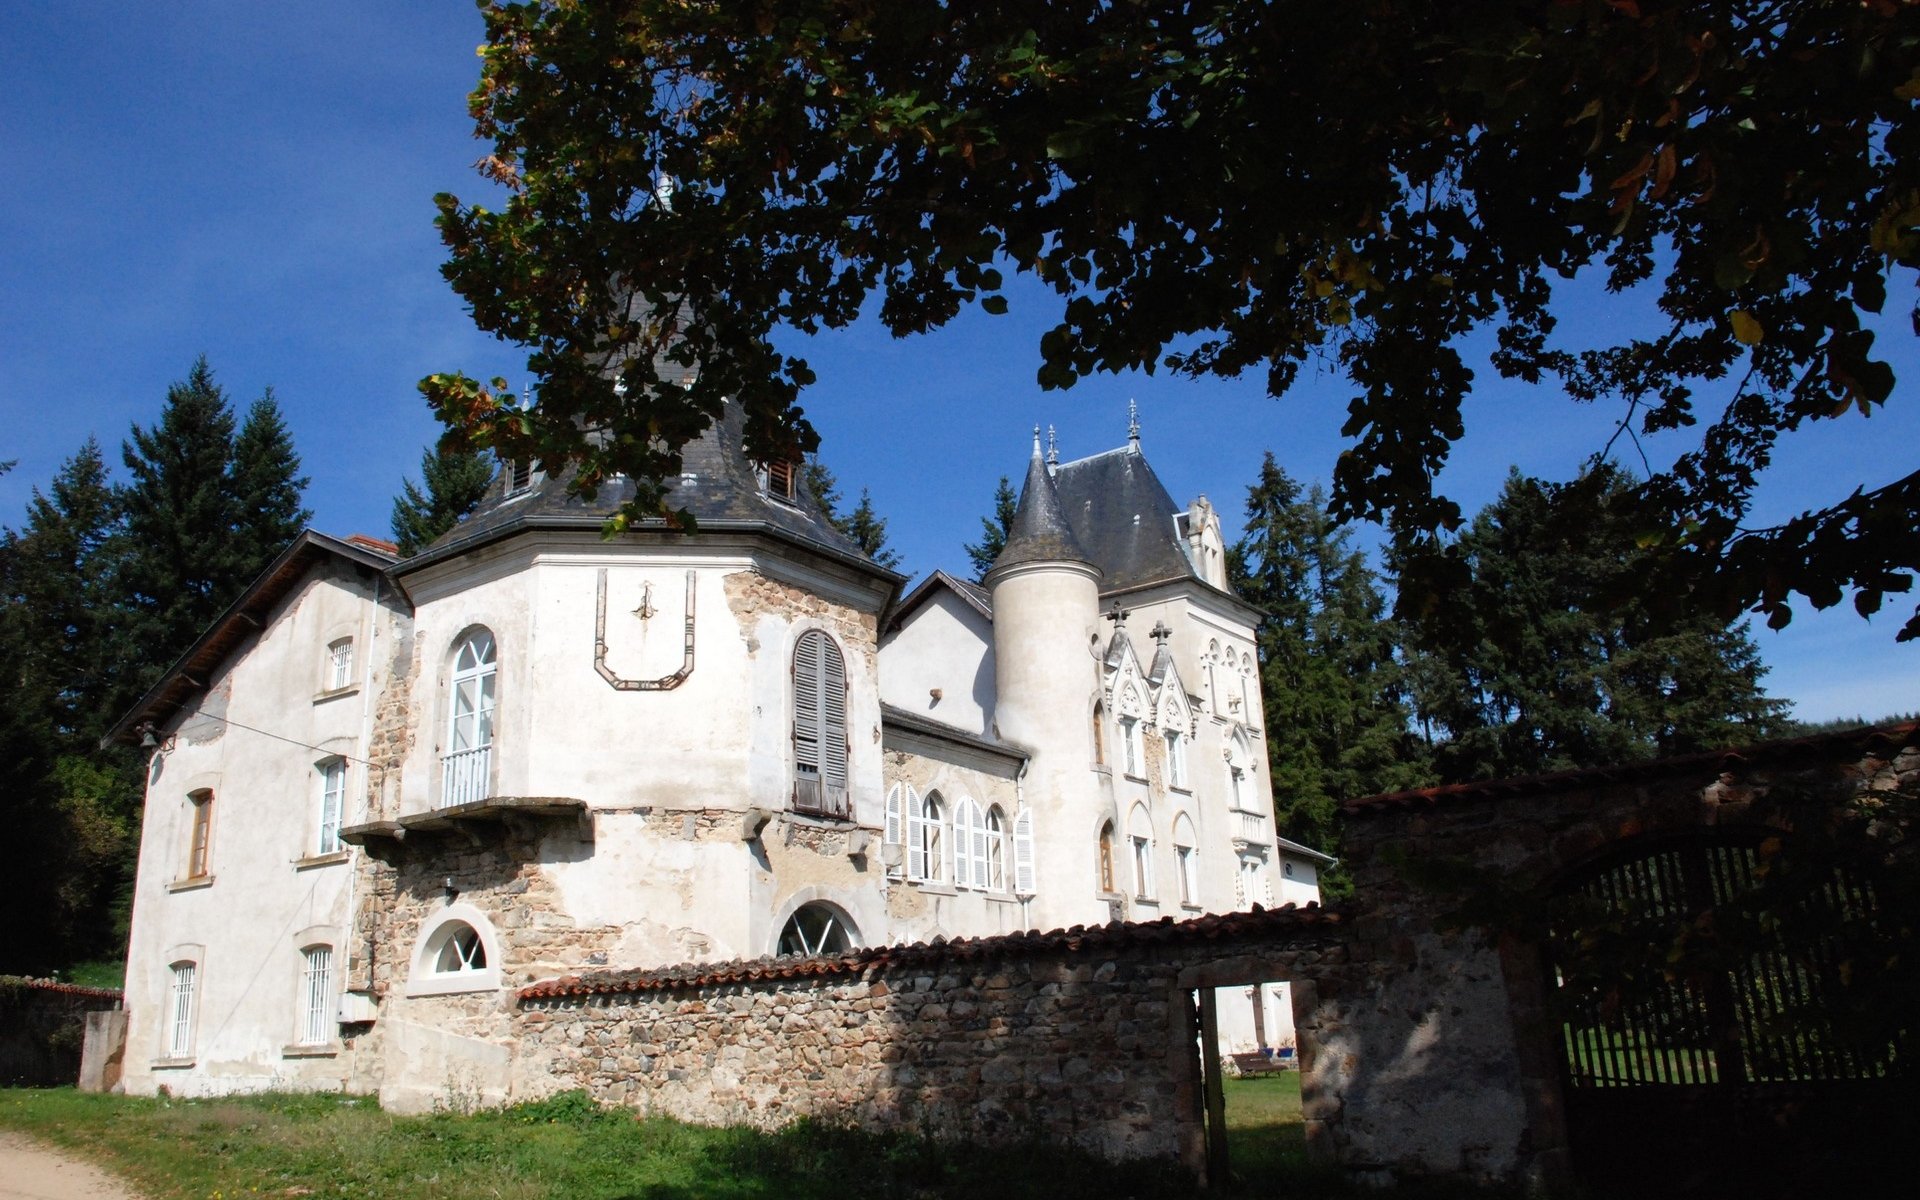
column 869, row 530
column 267, row 480
column 866, row 527
column 1216, row 189
column 1333, row 693
column 1553, row 654
column 452, row 484
column 993, row 529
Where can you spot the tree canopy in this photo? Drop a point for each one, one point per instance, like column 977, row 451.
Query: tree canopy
column 1216, row 188
column 1553, row 656
column 452, row 484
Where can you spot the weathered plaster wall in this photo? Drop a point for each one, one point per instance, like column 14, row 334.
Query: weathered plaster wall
column 947, row 647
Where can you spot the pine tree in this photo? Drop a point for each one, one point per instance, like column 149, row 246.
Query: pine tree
column 994, row 529
column 1336, row 723
column 180, row 563
column 68, row 806
column 869, row 530
column 1550, row 657
column 822, row 486
column 267, row 480
column 452, row 484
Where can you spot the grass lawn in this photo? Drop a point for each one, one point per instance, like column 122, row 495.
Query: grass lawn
column 331, row 1146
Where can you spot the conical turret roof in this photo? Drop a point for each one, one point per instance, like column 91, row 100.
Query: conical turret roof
column 1040, row 532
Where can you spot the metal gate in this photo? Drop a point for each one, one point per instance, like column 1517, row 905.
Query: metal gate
column 1694, row 1006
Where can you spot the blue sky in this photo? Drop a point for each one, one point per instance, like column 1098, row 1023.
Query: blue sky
column 254, row 182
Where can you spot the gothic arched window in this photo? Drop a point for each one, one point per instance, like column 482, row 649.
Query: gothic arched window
column 819, row 726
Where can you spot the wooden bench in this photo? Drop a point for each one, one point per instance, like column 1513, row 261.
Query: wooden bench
column 1261, row 1064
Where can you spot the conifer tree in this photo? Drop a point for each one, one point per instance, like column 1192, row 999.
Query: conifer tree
column 869, row 529
column 181, row 561
column 452, row 484
column 993, row 529
column 60, row 584
column 268, row 483
column 1336, row 722
column 822, row 486
column 1551, row 657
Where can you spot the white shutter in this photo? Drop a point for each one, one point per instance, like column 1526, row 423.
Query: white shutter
column 1023, row 852
column 806, row 703
column 895, row 820
column 916, row 837
column 833, row 714
column 981, row 874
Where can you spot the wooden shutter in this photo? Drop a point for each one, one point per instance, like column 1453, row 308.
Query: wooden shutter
column 916, row 836
column 833, row 714
column 1023, row 866
column 966, row 823
column 806, row 703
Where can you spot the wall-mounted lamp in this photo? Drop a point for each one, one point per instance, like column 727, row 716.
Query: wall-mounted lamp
column 152, row 742
column 451, row 891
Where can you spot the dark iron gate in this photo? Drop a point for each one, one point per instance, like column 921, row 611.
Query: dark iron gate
column 1695, row 1008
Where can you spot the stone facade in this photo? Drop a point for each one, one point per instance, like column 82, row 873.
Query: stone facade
column 1085, row 1037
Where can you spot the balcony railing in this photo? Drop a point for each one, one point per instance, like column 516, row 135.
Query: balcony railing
column 1253, row 829
column 818, row 799
column 465, row 776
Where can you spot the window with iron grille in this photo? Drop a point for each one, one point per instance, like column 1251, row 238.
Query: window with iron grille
column 316, row 996
column 180, row 1010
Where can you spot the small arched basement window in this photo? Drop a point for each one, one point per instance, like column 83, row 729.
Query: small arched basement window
column 457, row 954
column 818, row 929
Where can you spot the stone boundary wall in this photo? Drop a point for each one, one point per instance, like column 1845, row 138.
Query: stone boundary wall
column 42, row 1027
column 1085, row 1036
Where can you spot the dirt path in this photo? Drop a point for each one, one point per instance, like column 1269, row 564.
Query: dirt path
column 30, row 1170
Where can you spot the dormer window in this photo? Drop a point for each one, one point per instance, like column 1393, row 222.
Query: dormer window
column 519, row 476
column 780, row 479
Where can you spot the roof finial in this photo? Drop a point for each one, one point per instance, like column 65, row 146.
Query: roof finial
column 1133, row 424
column 1053, row 452
column 1036, row 441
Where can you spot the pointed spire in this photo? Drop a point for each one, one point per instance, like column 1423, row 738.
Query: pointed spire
column 1133, row 425
column 1039, row 532
column 1053, row 452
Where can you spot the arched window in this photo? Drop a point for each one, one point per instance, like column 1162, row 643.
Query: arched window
column 316, row 996
column 926, row 840
column 1099, row 734
column 817, row 929
column 333, row 801
column 1104, row 864
column 200, row 839
column 339, row 664
column 1213, row 684
column 182, row 991
column 996, row 859
column 467, row 767
column 969, row 845
column 1183, row 860
column 458, row 954
column 1176, row 758
column 1140, row 841
column 819, row 726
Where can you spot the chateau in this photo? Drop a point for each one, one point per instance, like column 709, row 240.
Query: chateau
column 386, row 794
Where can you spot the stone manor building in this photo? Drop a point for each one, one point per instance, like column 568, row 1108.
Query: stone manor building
column 385, row 794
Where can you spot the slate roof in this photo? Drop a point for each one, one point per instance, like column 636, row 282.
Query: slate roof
column 717, row 484
column 1040, row 531
column 972, row 594
column 1119, row 935
column 1123, row 516
column 913, row 722
column 1852, row 743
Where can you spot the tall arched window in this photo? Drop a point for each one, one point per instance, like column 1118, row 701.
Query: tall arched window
column 996, row 860
column 1183, row 860
column 1213, row 683
column 183, row 987
column 317, row 1010
column 467, row 768
column 819, row 726
column 1099, row 734
column 969, row 845
column 1104, row 865
column 1140, row 842
column 926, row 840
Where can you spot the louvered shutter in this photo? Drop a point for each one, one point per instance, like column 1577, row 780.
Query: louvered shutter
column 916, row 837
column 806, row 704
column 895, row 818
column 1023, row 866
column 980, row 869
column 833, row 714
